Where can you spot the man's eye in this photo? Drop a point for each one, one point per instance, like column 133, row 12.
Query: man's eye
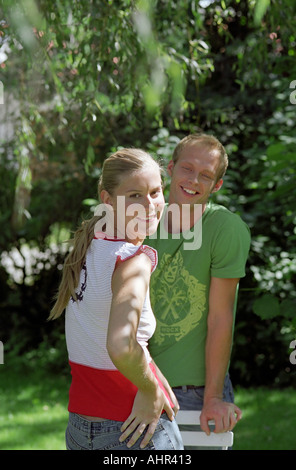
column 206, row 177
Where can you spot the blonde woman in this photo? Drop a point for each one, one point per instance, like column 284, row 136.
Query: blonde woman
column 118, row 398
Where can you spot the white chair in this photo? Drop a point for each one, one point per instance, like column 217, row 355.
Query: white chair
column 198, row 438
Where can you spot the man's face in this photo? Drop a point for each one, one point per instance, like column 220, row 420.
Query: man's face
column 194, row 175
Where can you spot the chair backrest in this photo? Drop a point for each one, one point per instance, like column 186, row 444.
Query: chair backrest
column 198, row 438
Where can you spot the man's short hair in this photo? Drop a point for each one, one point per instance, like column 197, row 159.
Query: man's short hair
column 205, row 140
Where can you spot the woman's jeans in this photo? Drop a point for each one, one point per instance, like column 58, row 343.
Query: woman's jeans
column 82, row 434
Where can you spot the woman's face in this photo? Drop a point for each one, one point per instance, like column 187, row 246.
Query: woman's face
column 138, row 203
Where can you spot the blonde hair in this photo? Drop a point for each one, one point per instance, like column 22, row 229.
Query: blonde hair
column 208, row 141
column 117, row 166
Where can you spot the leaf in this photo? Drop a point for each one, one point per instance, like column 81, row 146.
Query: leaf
column 90, row 202
column 288, row 308
column 90, row 157
column 267, row 307
column 280, row 151
column 260, row 10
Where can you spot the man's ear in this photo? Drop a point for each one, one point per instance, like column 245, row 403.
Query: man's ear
column 170, row 167
column 217, row 186
column 106, row 198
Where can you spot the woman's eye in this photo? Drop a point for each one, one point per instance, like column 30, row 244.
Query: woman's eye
column 156, row 193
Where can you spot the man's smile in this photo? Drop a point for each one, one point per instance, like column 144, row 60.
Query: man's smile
column 192, row 192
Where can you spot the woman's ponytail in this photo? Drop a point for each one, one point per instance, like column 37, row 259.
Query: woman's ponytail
column 73, row 265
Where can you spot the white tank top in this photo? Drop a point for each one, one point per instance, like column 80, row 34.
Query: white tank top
column 87, row 318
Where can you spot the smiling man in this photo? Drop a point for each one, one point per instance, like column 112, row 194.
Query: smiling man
column 194, row 292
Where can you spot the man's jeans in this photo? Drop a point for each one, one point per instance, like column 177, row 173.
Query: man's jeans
column 192, row 399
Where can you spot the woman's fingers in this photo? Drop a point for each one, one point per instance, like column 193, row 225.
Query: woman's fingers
column 143, row 420
column 127, row 422
column 148, row 435
column 169, row 411
column 138, row 431
column 128, row 427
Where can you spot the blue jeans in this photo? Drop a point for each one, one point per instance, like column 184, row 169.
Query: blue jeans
column 192, row 399
column 82, row 434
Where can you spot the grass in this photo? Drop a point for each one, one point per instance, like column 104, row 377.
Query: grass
column 33, row 413
column 33, row 410
column 269, row 419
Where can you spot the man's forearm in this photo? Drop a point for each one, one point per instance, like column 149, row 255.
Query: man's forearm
column 219, row 334
column 218, row 349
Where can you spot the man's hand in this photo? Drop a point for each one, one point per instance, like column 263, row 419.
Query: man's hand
column 225, row 415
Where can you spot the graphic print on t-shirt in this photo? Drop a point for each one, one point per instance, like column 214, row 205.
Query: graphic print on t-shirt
column 180, row 299
column 79, row 294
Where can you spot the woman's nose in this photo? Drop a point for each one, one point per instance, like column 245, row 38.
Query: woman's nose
column 148, row 203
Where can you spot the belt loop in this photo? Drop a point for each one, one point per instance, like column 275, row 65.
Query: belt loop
column 184, row 388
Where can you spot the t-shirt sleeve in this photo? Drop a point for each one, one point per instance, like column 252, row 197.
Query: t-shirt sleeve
column 129, row 251
column 151, row 253
column 230, row 248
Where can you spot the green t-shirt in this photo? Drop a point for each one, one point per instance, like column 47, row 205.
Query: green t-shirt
column 179, row 289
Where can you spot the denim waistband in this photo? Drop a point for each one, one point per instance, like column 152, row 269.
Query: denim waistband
column 92, row 426
column 97, row 427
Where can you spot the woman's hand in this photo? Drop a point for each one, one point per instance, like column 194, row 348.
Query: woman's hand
column 175, row 402
column 168, row 389
column 145, row 414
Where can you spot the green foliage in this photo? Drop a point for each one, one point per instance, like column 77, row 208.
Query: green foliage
column 87, row 78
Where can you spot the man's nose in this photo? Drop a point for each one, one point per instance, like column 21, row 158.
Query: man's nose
column 194, row 178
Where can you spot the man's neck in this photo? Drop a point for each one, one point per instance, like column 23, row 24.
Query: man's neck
column 179, row 219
